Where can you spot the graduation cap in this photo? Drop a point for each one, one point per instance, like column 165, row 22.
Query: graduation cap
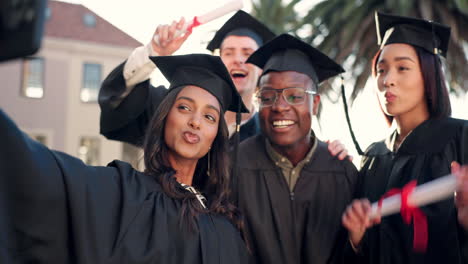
column 287, row 53
column 429, row 35
column 241, row 24
column 205, row 71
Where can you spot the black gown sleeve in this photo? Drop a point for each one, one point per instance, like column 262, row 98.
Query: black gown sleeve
column 464, row 161
column 349, row 252
column 126, row 119
column 464, row 145
column 56, row 209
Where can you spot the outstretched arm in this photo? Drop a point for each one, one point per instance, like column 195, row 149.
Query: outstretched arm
column 56, row 209
column 126, row 98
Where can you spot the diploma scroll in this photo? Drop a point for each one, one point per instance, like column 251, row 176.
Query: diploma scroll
column 430, row 192
column 230, row 6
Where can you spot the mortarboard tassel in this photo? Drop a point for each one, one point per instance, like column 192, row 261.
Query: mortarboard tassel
column 348, row 121
column 236, row 152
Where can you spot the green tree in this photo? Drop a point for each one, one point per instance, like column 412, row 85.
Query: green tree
column 278, row 15
column 345, row 30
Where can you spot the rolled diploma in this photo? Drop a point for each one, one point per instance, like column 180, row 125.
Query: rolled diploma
column 230, row 6
column 430, row 192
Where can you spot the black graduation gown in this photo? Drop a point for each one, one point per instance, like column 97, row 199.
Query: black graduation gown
column 424, row 155
column 303, row 226
column 128, row 121
column 55, row 209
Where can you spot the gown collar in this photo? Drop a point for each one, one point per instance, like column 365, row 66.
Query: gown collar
column 198, row 194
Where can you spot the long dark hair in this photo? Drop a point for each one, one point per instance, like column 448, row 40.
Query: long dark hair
column 214, row 187
column 435, row 90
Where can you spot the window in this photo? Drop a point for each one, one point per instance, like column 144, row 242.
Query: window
column 48, row 13
column 89, row 20
column 133, row 155
column 40, row 138
column 33, row 78
column 91, row 82
column 89, row 150
column 43, row 136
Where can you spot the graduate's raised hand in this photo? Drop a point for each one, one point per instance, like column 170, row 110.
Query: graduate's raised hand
column 356, row 220
column 337, row 149
column 168, row 42
column 461, row 197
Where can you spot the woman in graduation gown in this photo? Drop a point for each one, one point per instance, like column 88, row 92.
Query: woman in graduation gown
column 56, row 209
column 424, row 146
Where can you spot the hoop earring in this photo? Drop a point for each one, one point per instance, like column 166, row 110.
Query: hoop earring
column 208, row 169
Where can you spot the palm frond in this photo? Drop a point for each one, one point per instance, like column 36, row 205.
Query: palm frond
column 345, row 31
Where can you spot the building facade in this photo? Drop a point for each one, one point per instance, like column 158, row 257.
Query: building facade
column 53, row 95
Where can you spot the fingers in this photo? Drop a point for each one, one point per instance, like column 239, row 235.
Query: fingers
column 455, row 166
column 337, row 149
column 181, row 39
column 463, row 217
column 169, row 40
column 156, row 33
column 343, row 154
column 461, row 172
column 181, row 23
column 171, row 31
column 162, row 32
column 333, row 147
column 356, row 219
column 376, row 220
column 356, row 216
column 164, row 35
column 174, row 32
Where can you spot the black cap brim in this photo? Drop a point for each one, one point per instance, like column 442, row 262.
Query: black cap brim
column 205, row 71
column 287, row 53
column 241, row 24
column 429, row 35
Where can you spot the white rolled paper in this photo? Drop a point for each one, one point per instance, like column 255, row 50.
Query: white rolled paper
column 424, row 194
column 230, row 6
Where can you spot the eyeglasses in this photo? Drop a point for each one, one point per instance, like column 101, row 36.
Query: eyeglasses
column 293, row 96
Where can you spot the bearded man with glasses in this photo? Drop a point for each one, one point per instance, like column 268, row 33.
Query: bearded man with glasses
column 291, row 190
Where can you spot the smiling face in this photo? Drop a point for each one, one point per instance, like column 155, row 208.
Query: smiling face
column 234, row 52
column 192, row 124
column 400, row 81
column 288, row 126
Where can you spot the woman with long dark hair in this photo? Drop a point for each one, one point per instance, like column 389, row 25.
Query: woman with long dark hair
column 55, row 209
column 426, row 144
column 210, row 174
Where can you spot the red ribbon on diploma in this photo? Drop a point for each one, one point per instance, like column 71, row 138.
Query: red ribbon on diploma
column 195, row 23
column 409, row 213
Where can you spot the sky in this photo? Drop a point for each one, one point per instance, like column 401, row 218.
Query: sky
column 139, row 19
